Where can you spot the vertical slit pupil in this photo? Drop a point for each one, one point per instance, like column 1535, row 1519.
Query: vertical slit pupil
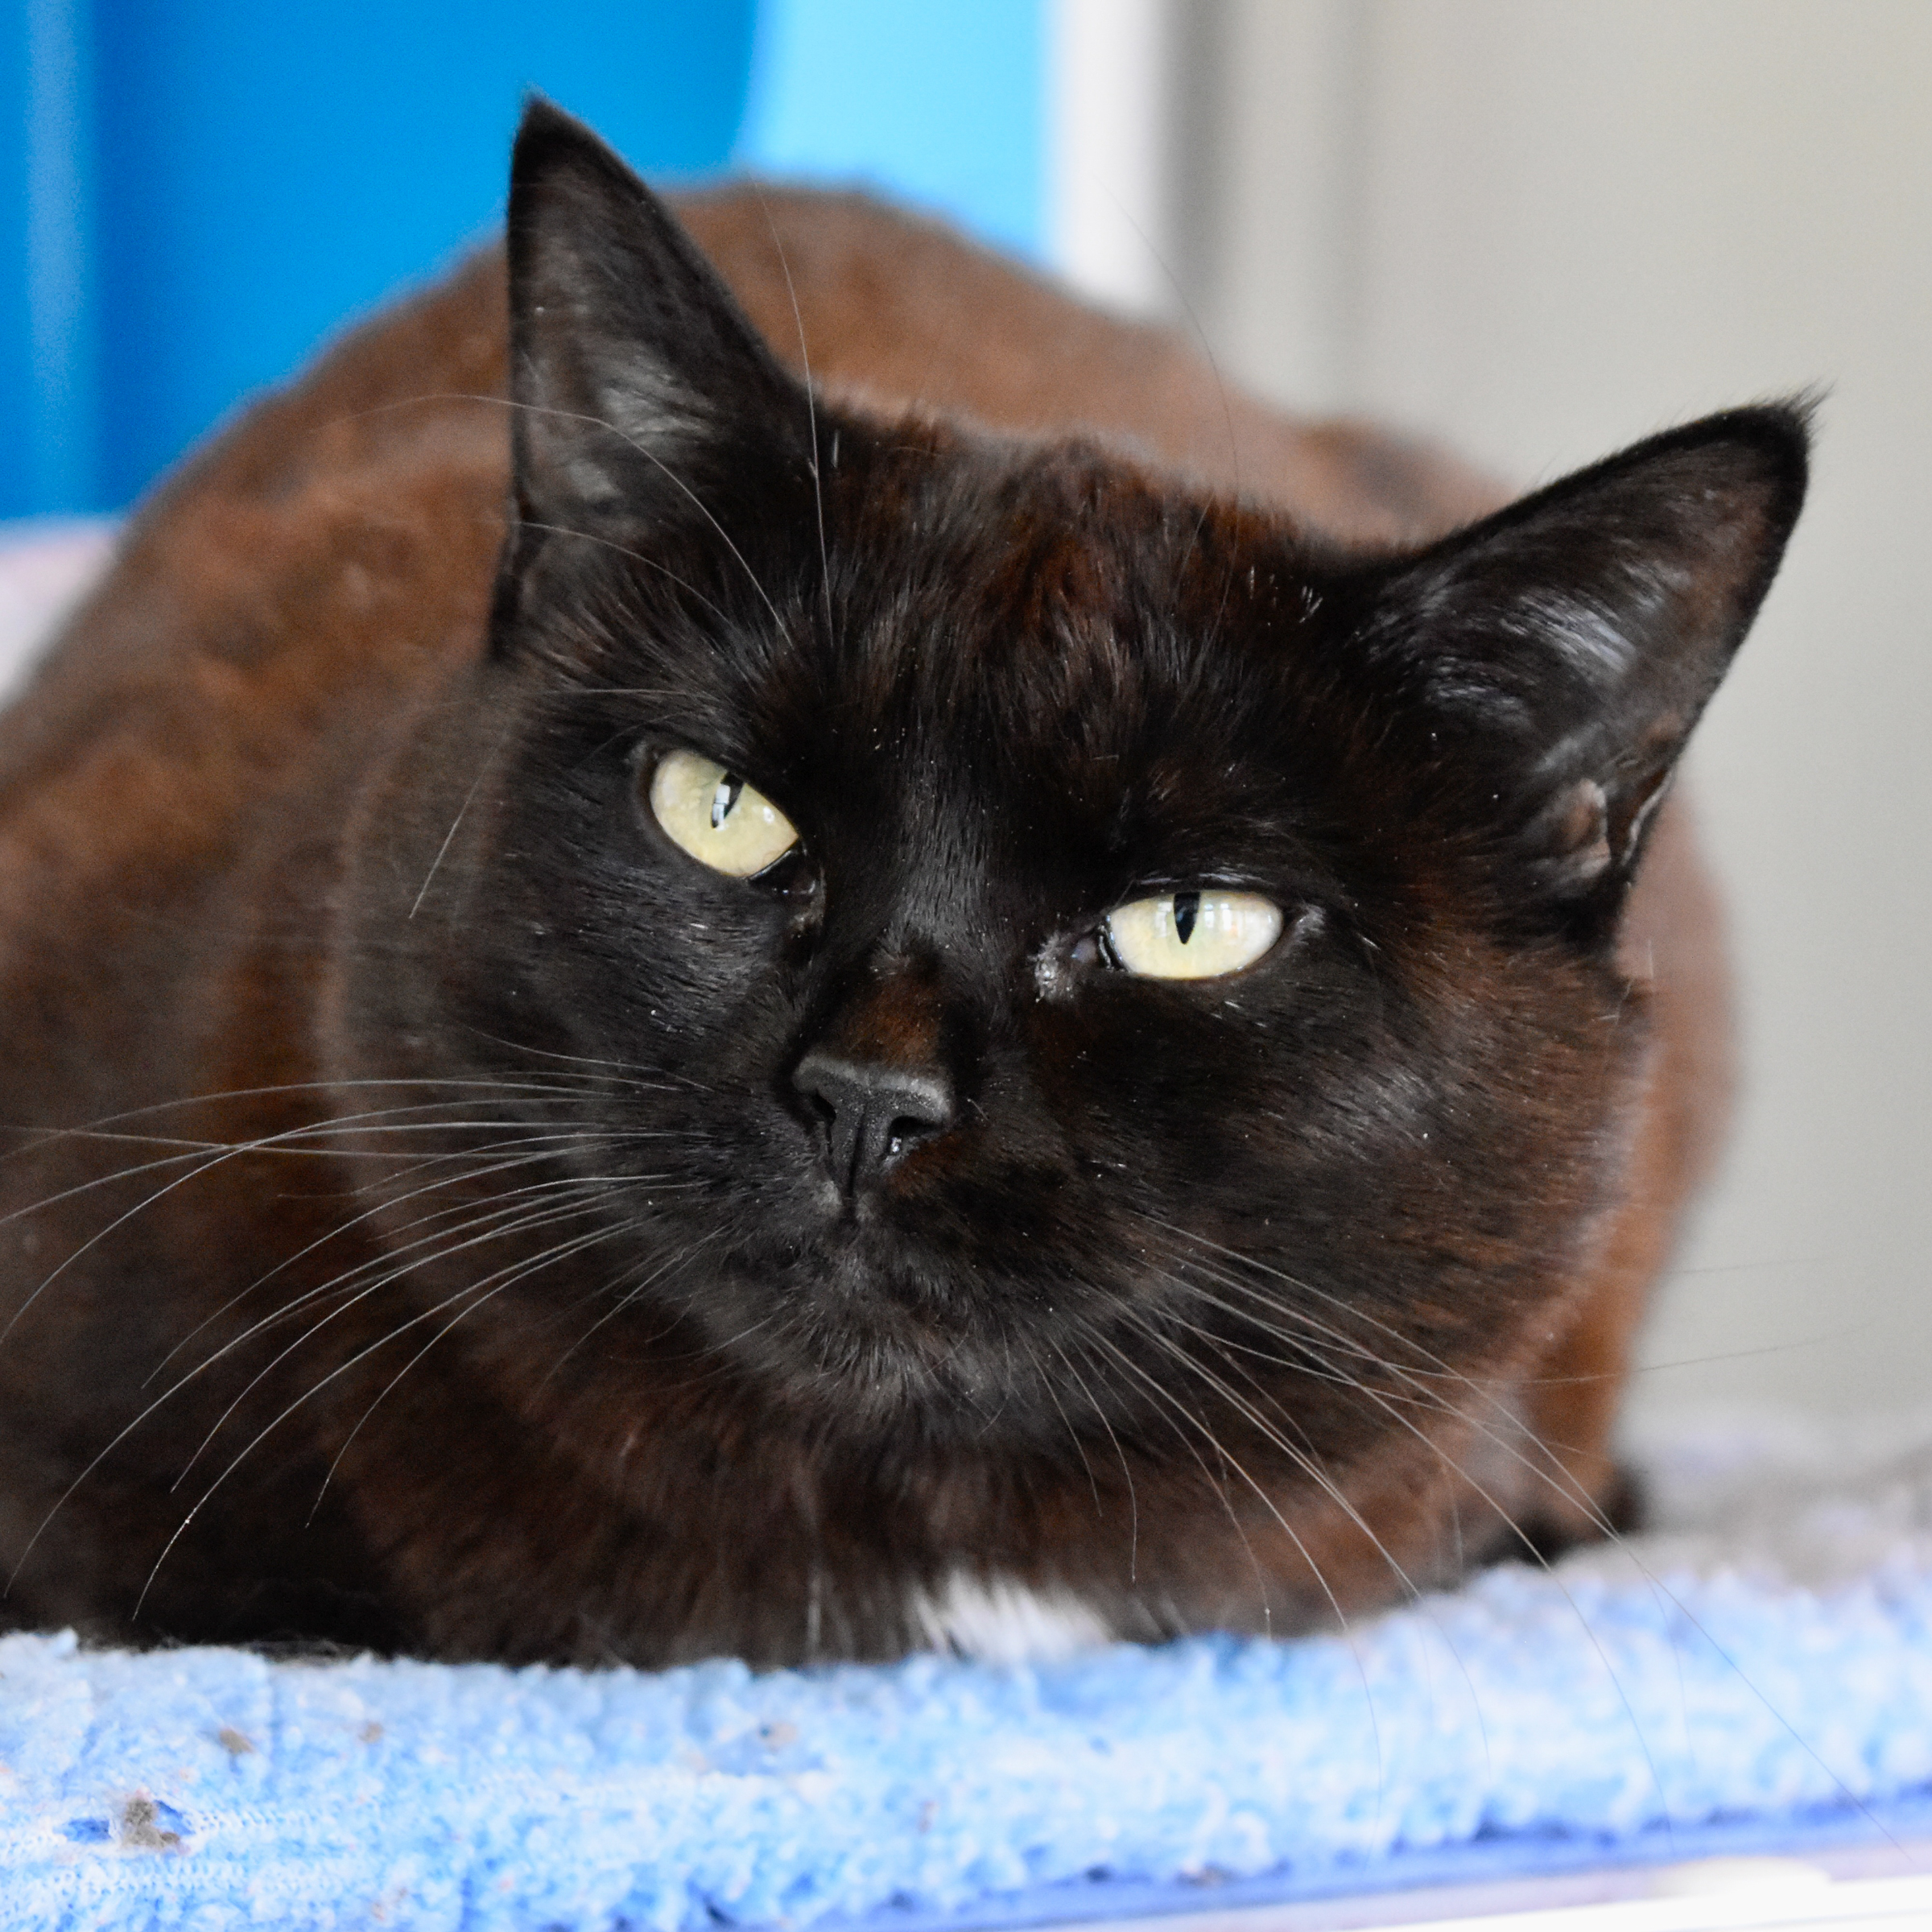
column 1187, row 910
column 724, row 797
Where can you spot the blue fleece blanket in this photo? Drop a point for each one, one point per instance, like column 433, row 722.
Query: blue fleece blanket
column 1769, row 1652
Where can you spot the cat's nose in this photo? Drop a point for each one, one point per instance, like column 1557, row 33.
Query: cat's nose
column 874, row 1113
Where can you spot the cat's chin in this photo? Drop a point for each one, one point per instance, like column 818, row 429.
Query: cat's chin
column 867, row 1344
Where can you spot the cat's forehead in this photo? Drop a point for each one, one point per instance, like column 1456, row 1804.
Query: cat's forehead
column 983, row 635
column 1062, row 598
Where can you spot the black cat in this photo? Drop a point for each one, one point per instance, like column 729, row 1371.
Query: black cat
column 887, row 1015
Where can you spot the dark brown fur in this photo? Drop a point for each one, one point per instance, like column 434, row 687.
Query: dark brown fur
column 260, row 765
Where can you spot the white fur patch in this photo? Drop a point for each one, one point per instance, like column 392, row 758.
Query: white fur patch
column 1001, row 1622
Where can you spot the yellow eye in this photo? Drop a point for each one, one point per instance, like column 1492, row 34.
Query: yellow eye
column 716, row 817
column 1193, row 935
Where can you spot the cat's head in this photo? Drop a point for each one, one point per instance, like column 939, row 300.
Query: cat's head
column 975, row 923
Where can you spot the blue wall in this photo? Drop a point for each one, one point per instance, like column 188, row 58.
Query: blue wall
column 20, row 487
column 941, row 102
column 48, row 414
column 200, row 190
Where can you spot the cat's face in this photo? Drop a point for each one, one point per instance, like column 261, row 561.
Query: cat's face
column 994, row 939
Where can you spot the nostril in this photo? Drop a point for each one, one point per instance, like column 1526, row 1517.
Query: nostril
column 872, row 1111
column 906, row 1130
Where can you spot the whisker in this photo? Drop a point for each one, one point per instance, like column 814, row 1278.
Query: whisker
column 341, row 1370
column 1504, row 1516
column 1134, row 1508
column 637, row 556
column 1302, row 1458
column 627, row 1299
column 812, row 415
column 561, row 1250
column 649, row 455
column 281, row 1314
column 518, row 1221
column 466, row 1178
column 449, row 837
column 1288, row 1529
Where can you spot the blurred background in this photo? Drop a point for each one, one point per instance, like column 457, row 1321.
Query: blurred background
column 1537, row 228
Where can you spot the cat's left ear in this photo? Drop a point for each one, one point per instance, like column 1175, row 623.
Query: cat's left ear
column 639, row 386
column 1558, row 654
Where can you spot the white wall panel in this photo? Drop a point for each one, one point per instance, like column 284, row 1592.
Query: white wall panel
column 1112, row 68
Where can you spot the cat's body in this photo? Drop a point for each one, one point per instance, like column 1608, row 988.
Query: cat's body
column 467, row 1131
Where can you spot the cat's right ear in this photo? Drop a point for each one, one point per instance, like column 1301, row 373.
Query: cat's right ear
column 638, row 387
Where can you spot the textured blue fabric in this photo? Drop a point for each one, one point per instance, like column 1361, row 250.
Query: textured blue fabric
column 212, row 1788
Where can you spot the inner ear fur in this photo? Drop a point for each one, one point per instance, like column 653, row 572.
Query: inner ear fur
column 1560, row 651
column 639, row 381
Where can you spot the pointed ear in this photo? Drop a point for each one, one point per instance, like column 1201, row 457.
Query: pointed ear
column 1560, row 652
column 636, row 378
